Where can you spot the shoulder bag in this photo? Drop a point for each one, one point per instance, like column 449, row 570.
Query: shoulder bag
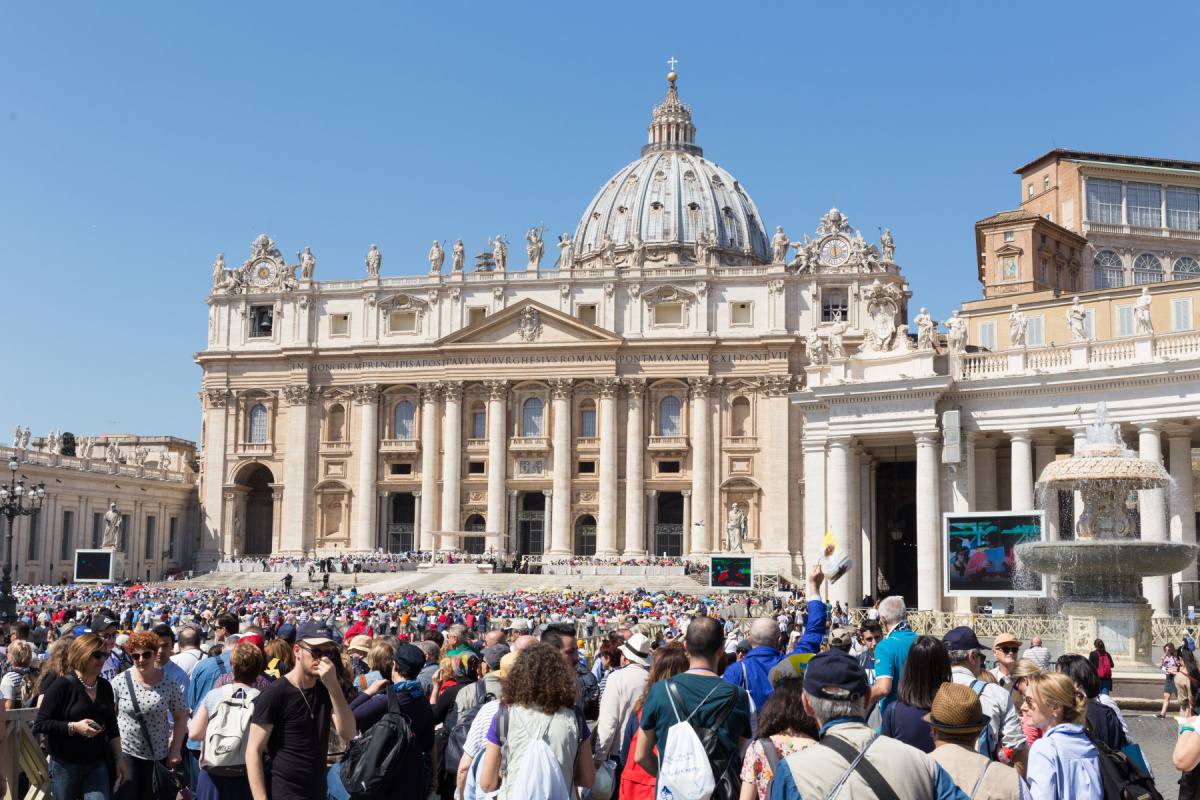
column 165, row 783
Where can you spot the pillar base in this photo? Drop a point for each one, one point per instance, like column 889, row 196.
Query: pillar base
column 1125, row 627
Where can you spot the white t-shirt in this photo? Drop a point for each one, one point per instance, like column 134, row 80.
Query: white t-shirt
column 187, row 660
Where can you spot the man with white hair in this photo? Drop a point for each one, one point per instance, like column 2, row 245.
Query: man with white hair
column 892, row 652
column 751, row 672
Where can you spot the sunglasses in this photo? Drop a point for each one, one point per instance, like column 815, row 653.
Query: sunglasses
column 140, row 656
column 109, row 637
column 1008, row 649
column 329, row 652
column 99, row 655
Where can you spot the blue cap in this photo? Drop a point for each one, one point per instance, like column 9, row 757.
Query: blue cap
column 80, row 630
column 287, row 633
column 835, row 675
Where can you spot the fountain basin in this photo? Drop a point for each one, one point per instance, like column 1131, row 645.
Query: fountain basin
column 1129, row 558
column 1114, row 466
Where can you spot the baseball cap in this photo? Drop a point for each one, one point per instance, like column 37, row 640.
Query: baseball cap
column 409, row 659
column 493, row 653
column 962, row 638
column 744, row 644
column 315, row 632
column 101, row 622
column 287, row 633
column 841, row 637
column 360, row 642
column 519, row 625
column 835, row 675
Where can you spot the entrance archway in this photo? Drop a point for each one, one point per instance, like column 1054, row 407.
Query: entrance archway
column 668, row 527
column 260, row 512
column 531, row 522
column 474, row 544
column 585, row 535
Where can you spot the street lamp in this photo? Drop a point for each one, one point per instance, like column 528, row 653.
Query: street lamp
column 15, row 501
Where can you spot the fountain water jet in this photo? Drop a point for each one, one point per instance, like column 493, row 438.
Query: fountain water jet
column 1105, row 562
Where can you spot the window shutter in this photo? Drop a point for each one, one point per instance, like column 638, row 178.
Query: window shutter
column 1124, row 320
column 1181, row 314
column 1035, row 332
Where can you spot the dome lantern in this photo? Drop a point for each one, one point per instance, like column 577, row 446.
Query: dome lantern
column 671, row 125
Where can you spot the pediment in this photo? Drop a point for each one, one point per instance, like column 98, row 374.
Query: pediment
column 530, row 323
column 1009, row 249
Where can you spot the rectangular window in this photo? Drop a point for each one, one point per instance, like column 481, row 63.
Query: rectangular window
column 668, row 314
column 741, row 314
column 1183, row 208
column 1181, row 314
column 1045, row 183
column 475, row 315
column 475, row 468
column 125, row 533
column 1104, row 201
column 97, row 529
column 834, row 305
column 1074, row 281
column 1058, row 277
column 1125, row 321
column 1035, row 332
column 987, row 335
column 587, row 467
column 339, row 325
column 68, row 536
column 1009, row 236
column 150, row 525
column 587, row 423
column 1045, row 268
column 1031, row 190
column 35, row 538
column 402, row 322
column 261, row 322
column 1089, row 323
column 1143, row 202
column 401, row 469
column 173, row 534
column 479, row 425
column 668, row 467
column 586, row 313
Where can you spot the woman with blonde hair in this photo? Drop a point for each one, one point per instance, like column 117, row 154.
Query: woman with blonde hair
column 57, row 663
column 1020, row 674
column 1063, row 764
column 20, row 682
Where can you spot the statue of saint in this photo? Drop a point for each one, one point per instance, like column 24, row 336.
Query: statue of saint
column 956, row 335
column 164, row 461
column 17, row 436
column 703, row 248
column 437, row 257
column 735, row 529
column 499, row 253
column 779, row 245
column 567, row 257
column 219, row 271
column 926, row 331
column 114, row 453
column 25, row 439
column 374, row 262
column 888, row 246
column 814, row 348
column 535, row 249
column 1141, row 314
column 112, row 529
column 637, row 257
column 458, row 256
column 836, row 348
column 609, row 250
column 1077, row 320
column 308, row 263
column 83, row 446
column 1017, row 326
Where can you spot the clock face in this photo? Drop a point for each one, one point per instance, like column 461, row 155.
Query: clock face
column 264, row 273
column 835, row 251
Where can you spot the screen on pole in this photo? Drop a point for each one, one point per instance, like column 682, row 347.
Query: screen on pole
column 731, row 572
column 93, row 566
column 979, row 558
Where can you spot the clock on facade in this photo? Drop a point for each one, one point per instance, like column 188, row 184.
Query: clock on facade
column 835, row 251
column 264, row 273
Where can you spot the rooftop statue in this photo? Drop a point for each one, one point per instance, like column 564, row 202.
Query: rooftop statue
column 1141, row 313
column 779, row 246
column 1077, row 320
column 437, row 257
column 458, row 255
column 374, row 261
column 956, row 335
column 566, row 258
column 536, row 248
column 308, row 263
column 499, row 253
column 1017, row 326
column 888, row 246
column 926, row 331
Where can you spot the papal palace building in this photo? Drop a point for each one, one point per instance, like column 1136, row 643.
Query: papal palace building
column 683, row 358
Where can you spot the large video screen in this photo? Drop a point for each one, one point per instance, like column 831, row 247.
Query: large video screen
column 979, row 559
column 731, row 572
column 93, row 565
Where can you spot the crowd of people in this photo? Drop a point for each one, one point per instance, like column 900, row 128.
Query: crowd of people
column 265, row 694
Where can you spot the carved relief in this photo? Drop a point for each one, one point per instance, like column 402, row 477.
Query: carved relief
column 298, row 395
column 430, row 392
column 776, row 286
column 365, row 393
column 497, row 389
column 777, row 385
column 453, row 390
column 608, row 386
column 702, row 385
column 560, row 388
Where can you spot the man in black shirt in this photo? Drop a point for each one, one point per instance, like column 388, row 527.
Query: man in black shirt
column 291, row 722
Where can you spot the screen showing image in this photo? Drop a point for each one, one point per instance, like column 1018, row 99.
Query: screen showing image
column 979, row 554
column 732, row 572
column 93, row 566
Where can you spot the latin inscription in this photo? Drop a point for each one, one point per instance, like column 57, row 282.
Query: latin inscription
column 584, row 358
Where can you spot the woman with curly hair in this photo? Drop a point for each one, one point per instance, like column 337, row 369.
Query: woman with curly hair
column 666, row 662
column 539, row 703
column 58, row 662
column 145, row 735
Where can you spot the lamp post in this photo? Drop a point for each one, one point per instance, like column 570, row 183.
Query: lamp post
column 15, row 501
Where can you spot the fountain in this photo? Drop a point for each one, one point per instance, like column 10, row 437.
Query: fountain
column 1104, row 564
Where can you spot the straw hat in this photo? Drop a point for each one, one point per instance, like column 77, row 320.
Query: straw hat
column 956, row 710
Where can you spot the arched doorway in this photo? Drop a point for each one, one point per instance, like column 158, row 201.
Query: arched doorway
column 474, row 544
column 668, row 528
column 585, row 535
column 260, row 512
column 531, row 520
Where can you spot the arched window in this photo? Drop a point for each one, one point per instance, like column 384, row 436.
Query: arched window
column 668, row 416
column 1147, row 268
column 405, row 413
column 531, row 417
column 739, row 418
column 335, row 424
column 1109, row 271
column 258, row 424
column 585, row 536
column 1186, row 267
column 587, row 418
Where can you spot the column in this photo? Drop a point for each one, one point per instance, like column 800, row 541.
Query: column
column 428, row 510
column 497, row 467
column 366, row 397
column 451, row 461
column 506, row 546
column 929, row 578
column 297, row 498
column 1151, row 502
column 550, row 516
column 837, row 496
column 985, row 474
column 418, row 526
column 687, row 510
column 870, row 555
column 560, row 534
column 216, row 434
column 385, row 516
column 696, row 543
column 1022, row 471
column 814, row 500
column 635, row 475
column 606, row 525
column 1182, row 502
column 773, row 538
column 1045, row 448
column 652, row 520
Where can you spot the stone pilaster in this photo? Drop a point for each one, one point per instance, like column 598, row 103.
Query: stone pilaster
column 366, row 397
column 430, row 392
column 606, row 528
column 929, row 529
column 297, row 500
column 698, row 541
column 773, row 537
column 215, row 445
column 560, row 534
column 814, row 500
column 635, row 476
column 451, row 461
column 1152, row 504
column 497, row 466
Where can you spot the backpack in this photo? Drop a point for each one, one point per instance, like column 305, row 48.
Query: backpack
column 26, row 696
column 227, row 732
column 1121, row 777
column 696, row 765
column 589, row 693
column 539, row 776
column 985, row 745
column 1103, row 666
column 457, row 743
column 369, row 767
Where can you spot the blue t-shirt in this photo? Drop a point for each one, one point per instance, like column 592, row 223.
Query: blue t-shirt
column 890, row 655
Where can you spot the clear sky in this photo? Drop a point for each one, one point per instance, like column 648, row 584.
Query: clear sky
column 138, row 140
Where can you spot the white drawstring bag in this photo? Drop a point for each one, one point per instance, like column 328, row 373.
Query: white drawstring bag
column 685, row 773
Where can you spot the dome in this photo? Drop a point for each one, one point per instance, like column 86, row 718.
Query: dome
column 670, row 199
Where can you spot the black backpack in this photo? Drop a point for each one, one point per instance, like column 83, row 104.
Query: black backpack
column 589, row 692
column 725, row 763
column 1121, row 776
column 457, row 743
column 369, row 767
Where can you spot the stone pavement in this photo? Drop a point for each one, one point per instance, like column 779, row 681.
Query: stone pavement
column 1157, row 740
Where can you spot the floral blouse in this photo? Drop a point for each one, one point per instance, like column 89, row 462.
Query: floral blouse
column 755, row 766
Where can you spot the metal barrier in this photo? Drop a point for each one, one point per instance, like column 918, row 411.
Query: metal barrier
column 26, row 757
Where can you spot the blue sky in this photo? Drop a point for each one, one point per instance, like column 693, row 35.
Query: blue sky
column 138, row 140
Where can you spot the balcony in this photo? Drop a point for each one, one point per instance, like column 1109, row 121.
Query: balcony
column 477, row 445
column 587, row 443
column 668, row 444
column 404, row 446
column 741, row 442
column 529, row 444
column 335, row 447
column 256, row 448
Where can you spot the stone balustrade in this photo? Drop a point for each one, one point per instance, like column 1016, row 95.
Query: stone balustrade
column 43, row 459
column 1080, row 355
